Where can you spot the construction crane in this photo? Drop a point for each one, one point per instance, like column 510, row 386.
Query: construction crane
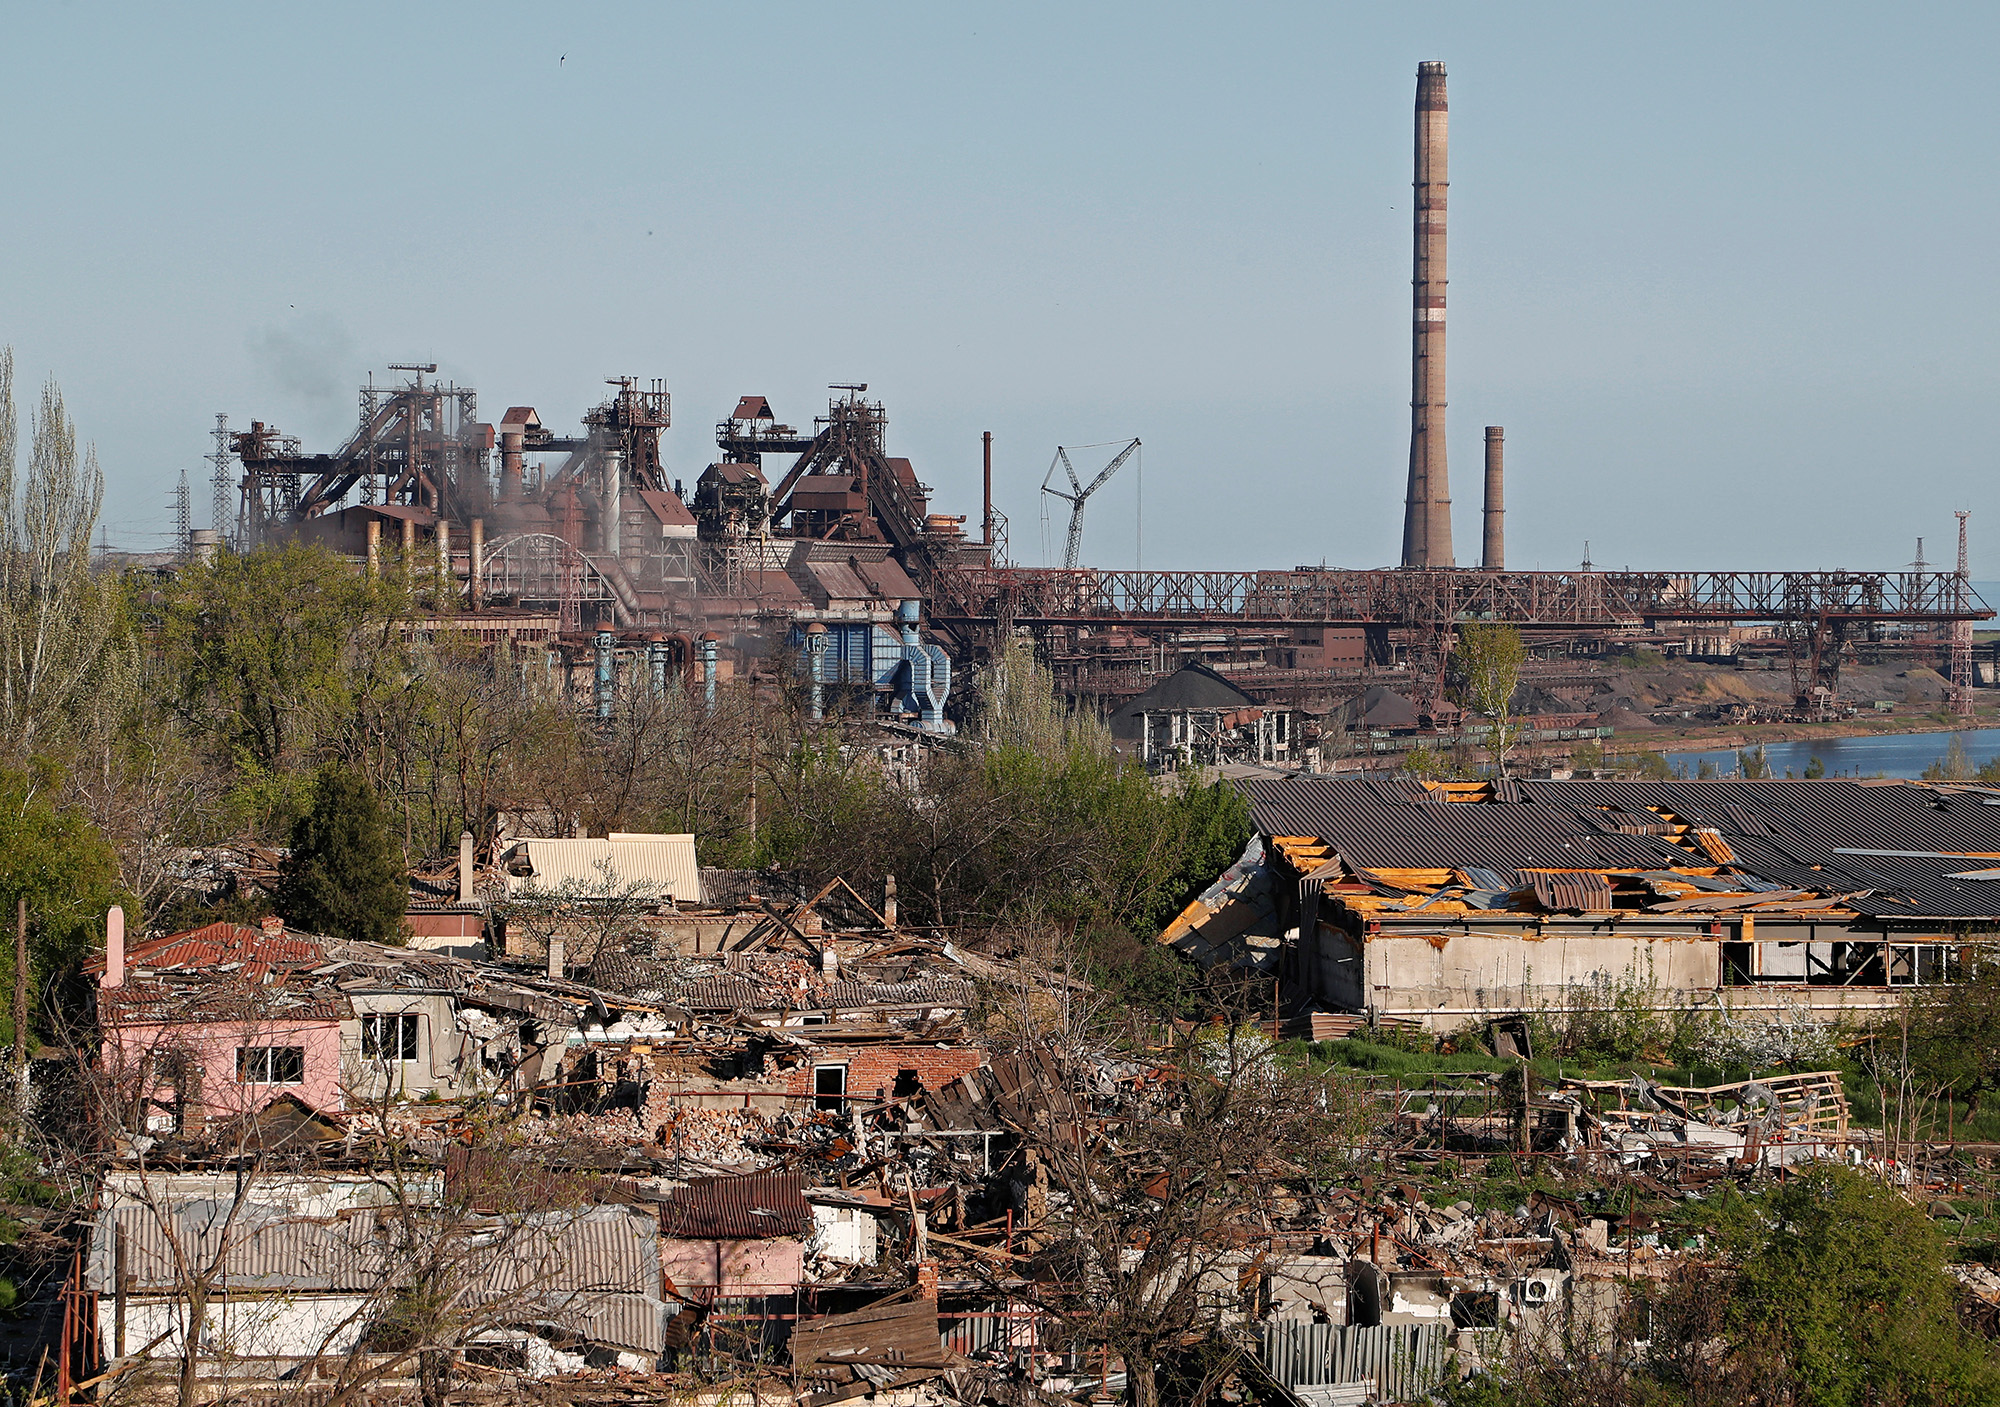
column 1078, row 494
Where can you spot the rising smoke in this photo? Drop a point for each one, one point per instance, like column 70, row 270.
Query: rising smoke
column 313, row 362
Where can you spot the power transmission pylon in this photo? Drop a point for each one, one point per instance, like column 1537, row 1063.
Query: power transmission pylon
column 219, row 485
column 1961, row 629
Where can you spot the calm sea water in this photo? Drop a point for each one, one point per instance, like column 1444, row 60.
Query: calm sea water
column 1897, row 755
column 1900, row 755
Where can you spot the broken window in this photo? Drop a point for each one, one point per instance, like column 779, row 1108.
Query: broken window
column 1913, row 964
column 1738, row 964
column 907, row 1084
column 389, row 1036
column 270, row 1065
column 1475, row 1309
column 1781, row 962
column 830, row 1087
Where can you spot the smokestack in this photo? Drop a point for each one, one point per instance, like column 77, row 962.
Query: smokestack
column 511, row 443
column 1427, row 507
column 614, row 477
column 1493, row 546
column 114, row 948
column 986, row 530
column 474, row 586
column 465, row 867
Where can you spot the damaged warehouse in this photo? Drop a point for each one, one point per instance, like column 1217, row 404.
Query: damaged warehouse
column 1451, row 903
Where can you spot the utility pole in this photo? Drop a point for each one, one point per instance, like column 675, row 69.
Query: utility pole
column 21, row 1009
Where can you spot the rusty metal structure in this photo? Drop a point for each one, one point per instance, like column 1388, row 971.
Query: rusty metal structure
column 1418, row 610
column 1961, row 630
column 418, row 445
column 587, row 533
column 1427, row 507
column 844, row 486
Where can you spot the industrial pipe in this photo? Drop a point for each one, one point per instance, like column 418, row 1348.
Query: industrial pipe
column 1493, row 546
column 708, row 671
column 374, row 548
column 510, row 465
column 986, row 531
column 815, row 657
column 475, row 588
column 442, row 583
column 606, row 676
column 614, row 474
column 1427, row 506
column 656, row 665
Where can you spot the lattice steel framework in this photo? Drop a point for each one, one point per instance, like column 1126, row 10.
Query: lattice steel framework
column 540, row 569
column 1052, row 596
column 1961, row 630
column 220, row 480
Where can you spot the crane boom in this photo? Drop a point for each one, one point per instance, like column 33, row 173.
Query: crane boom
column 1079, row 494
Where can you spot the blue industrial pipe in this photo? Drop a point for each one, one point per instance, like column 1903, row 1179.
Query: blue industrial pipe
column 606, row 676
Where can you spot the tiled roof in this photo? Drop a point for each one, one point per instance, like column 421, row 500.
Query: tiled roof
column 220, row 947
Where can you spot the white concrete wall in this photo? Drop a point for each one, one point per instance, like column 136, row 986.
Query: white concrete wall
column 264, row 1326
column 1461, row 976
column 845, row 1234
column 439, row 1043
column 1449, row 978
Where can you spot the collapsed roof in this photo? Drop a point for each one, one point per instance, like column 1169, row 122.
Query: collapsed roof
column 1886, row 850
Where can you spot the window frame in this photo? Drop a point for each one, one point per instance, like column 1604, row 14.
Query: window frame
column 835, row 1102
column 407, row 1040
column 259, row 1064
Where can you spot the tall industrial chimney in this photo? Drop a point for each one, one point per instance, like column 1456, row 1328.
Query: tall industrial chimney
column 1427, row 509
column 1493, row 546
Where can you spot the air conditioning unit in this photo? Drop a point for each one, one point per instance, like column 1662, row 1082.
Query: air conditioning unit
column 1543, row 1287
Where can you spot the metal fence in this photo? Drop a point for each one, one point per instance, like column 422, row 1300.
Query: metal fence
column 1400, row 1362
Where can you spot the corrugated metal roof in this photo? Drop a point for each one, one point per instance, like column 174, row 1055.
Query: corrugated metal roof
column 1784, row 834
column 723, row 994
column 1577, row 893
column 936, row 991
column 596, row 1270
column 753, row 1207
column 655, row 865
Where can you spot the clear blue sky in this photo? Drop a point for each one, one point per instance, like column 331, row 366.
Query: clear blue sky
column 1724, row 272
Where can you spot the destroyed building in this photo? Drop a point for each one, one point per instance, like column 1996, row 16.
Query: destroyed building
column 1448, row 903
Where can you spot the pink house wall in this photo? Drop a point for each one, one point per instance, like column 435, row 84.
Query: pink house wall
column 735, row 1267
column 213, row 1047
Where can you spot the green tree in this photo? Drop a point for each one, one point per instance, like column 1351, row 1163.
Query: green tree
column 56, row 860
column 1954, row 766
column 62, row 669
column 1815, row 769
column 1844, row 1279
column 1652, row 766
column 264, row 653
column 1752, row 765
column 343, row 878
column 1489, row 658
column 1955, row 1034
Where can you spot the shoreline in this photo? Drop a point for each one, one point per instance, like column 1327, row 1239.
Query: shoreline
column 1718, row 739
